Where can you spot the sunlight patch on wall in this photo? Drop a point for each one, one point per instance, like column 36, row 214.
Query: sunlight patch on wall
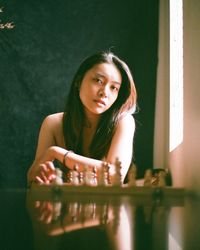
column 173, row 245
column 176, row 74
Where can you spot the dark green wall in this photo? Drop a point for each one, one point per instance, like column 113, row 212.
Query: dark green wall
column 39, row 56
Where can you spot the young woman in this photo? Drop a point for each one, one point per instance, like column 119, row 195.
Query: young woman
column 97, row 124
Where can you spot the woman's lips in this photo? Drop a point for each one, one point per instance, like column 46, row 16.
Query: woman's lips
column 100, row 102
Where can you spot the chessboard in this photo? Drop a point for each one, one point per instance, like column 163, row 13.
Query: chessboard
column 153, row 185
column 109, row 190
column 136, row 194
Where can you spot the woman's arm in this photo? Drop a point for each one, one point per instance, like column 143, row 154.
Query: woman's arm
column 121, row 148
column 45, row 141
column 122, row 144
column 42, row 170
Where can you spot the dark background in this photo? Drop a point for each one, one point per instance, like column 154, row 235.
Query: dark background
column 40, row 55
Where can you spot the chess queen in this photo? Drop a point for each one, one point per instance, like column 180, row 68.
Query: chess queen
column 97, row 124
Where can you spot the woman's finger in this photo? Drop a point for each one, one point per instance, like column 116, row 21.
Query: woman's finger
column 50, row 166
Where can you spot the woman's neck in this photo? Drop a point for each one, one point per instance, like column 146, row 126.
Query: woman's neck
column 90, row 125
column 91, row 121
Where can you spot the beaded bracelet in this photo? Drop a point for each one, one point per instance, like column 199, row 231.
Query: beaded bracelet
column 65, row 156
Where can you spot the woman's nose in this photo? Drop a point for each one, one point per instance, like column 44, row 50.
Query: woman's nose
column 103, row 92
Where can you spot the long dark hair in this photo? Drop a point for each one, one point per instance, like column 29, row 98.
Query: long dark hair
column 74, row 117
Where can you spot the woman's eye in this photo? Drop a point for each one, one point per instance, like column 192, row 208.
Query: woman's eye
column 98, row 80
column 114, row 88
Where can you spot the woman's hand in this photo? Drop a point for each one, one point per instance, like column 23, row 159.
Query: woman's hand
column 47, row 212
column 43, row 170
column 45, row 173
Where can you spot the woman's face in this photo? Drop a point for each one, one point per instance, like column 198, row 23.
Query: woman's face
column 100, row 87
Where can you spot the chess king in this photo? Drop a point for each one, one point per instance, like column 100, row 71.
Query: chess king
column 97, row 124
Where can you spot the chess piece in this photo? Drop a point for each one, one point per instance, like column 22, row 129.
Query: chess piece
column 81, row 179
column 70, row 176
column 58, row 180
column 75, row 176
column 161, row 179
column 148, row 178
column 132, row 176
column 103, row 178
column 107, row 174
column 89, row 176
column 117, row 177
column 94, row 176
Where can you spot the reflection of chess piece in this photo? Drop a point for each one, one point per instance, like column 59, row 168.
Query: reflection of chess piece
column 73, row 211
column 89, row 211
column 148, row 178
column 104, row 214
column 116, row 210
column 56, row 210
column 132, row 175
column 58, row 180
column 147, row 214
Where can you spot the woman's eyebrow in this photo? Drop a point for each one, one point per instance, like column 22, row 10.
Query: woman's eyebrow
column 103, row 76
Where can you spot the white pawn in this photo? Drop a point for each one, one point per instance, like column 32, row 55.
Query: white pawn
column 89, row 177
column 58, row 180
column 70, row 177
column 75, row 176
column 148, row 178
column 117, row 177
column 92, row 176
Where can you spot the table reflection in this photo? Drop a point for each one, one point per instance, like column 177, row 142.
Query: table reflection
column 111, row 222
column 54, row 221
column 101, row 222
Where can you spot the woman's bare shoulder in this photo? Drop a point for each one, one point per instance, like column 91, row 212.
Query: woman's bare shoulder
column 55, row 117
column 127, row 121
column 53, row 120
